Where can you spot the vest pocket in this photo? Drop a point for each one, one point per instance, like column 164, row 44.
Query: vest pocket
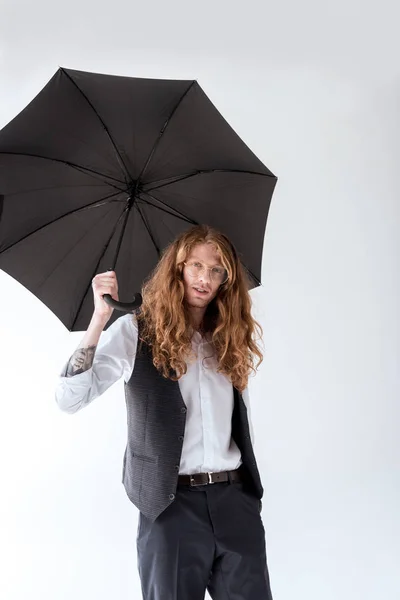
column 144, row 458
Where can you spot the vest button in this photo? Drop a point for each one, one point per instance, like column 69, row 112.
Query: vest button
column 176, row 467
column 180, row 438
column 172, row 496
column 183, row 410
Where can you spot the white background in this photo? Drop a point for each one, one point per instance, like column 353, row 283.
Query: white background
column 314, row 89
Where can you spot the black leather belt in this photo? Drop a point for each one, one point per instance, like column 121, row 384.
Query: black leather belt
column 207, row 478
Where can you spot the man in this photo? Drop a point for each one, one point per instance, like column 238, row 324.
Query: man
column 189, row 464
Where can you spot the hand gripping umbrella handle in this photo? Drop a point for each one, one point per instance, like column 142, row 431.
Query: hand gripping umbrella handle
column 123, row 306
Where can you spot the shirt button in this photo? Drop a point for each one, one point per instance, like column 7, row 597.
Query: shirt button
column 183, row 410
column 172, row 496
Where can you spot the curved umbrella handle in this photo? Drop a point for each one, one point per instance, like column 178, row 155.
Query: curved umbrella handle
column 123, row 306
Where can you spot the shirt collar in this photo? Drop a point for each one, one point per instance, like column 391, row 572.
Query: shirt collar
column 198, row 338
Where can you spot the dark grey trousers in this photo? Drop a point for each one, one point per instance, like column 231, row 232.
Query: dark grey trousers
column 211, row 537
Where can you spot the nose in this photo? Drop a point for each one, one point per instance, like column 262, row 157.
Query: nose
column 205, row 276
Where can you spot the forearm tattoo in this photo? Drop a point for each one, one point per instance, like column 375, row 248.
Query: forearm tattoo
column 80, row 361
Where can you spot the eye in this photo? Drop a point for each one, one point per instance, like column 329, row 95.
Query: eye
column 218, row 270
column 197, row 265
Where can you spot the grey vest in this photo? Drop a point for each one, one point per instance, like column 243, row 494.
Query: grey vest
column 156, row 416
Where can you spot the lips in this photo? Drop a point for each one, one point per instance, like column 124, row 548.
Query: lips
column 199, row 292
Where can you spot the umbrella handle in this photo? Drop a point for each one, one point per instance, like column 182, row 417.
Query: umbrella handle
column 123, row 306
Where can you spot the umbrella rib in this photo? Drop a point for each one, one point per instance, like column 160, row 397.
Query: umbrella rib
column 148, row 229
column 84, row 170
column 179, row 215
column 128, row 176
column 101, row 202
column 69, row 250
column 164, row 127
column 184, row 176
column 98, row 263
column 252, row 274
column 52, row 187
column 188, row 220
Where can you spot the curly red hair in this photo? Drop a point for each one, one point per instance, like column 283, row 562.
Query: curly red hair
column 165, row 318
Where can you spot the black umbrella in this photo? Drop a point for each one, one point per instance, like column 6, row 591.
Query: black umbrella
column 101, row 172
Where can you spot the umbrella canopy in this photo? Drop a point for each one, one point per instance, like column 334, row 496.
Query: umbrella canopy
column 102, row 172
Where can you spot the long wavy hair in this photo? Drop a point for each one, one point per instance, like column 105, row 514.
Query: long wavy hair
column 165, row 320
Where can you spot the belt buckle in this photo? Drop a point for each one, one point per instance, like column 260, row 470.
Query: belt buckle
column 194, row 484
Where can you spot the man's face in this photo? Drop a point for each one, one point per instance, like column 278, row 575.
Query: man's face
column 200, row 289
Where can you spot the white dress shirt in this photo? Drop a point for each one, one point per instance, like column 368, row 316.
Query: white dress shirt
column 208, row 445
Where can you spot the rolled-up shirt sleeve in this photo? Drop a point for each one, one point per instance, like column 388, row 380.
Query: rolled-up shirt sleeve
column 114, row 358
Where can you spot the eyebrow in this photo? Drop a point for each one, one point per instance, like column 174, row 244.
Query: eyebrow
column 202, row 261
